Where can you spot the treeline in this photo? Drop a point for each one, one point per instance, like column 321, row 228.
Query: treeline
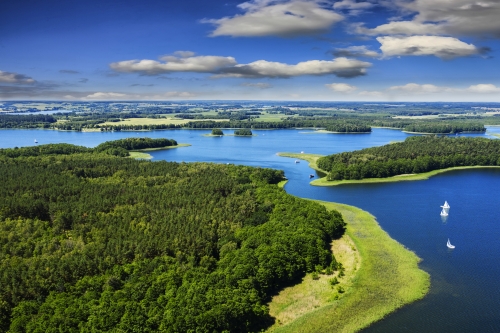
column 349, row 127
column 92, row 242
column 136, row 143
column 26, row 121
column 117, row 148
column 414, row 155
column 243, row 132
column 437, row 126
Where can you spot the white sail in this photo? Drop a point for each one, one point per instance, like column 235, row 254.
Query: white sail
column 444, row 212
column 36, row 141
column 449, row 244
column 446, row 206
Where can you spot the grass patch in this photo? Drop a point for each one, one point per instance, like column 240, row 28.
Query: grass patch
column 155, row 121
column 311, row 158
column 140, row 155
column 385, row 277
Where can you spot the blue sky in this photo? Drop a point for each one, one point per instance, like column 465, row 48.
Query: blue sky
column 348, row 50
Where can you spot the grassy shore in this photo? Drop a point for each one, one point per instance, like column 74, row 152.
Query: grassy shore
column 141, row 155
column 381, row 276
column 313, row 158
column 398, row 178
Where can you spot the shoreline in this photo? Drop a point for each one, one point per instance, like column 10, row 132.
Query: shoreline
column 312, row 159
column 141, row 155
column 366, row 300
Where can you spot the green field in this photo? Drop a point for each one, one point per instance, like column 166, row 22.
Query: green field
column 154, row 121
column 386, row 277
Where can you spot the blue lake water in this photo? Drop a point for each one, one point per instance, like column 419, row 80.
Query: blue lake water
column 465, row 293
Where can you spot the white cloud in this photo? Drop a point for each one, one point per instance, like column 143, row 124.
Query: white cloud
column 15, row 78
column 106, row 96
column 355, row 51
column 456, row 17
column 400, row 28
column 442, row 47
column 183, row 61
column 278, row 18
column 484, row 88
column 341, row 67
column 341, row 87
column 420, row 88
column 228, row 67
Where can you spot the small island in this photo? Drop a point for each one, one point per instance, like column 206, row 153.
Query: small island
column 243, row 132
column 217, row 132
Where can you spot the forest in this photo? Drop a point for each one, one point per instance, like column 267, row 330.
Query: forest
column 95, row 242
column 415, row 155
column 117, row 147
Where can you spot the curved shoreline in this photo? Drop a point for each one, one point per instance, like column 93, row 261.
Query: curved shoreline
column 312, row 159
column 140, row 153
column 388, row 278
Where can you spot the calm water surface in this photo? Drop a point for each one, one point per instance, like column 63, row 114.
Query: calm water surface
column 465, row 292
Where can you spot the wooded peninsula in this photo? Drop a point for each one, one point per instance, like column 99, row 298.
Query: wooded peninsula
column 95, row 242
column 418, row 154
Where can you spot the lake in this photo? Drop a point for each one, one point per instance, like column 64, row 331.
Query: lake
column 464, row 295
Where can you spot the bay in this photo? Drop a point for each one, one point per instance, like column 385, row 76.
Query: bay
column 464, row 282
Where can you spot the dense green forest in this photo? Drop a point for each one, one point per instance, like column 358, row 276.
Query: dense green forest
column 94, row 242
column 414, row 155
column 117, row 147
column 349, row 127
column 26, row 121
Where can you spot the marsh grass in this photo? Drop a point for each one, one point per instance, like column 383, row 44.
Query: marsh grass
column 388, row 277
column 311, row 158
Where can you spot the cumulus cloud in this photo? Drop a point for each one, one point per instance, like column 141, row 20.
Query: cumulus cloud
column 284, row 18
column 400, row 28
column 457, row 17
column 183, row 62
column 484, row 88
column 260, row 85
column 341, row 87
column 442, row 47
column 228, row 67
column 106, row 96
column 354, row 52
column 15, row 78
column 420, row 88
column 341, row 67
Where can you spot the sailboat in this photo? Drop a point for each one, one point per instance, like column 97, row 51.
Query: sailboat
column 449, row 244
column 444, row 212
column 36, row 141
column 446, row 206
column 297, row 161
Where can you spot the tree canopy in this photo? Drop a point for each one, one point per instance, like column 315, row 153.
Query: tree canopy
column 414, row 155
column 94, row 242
